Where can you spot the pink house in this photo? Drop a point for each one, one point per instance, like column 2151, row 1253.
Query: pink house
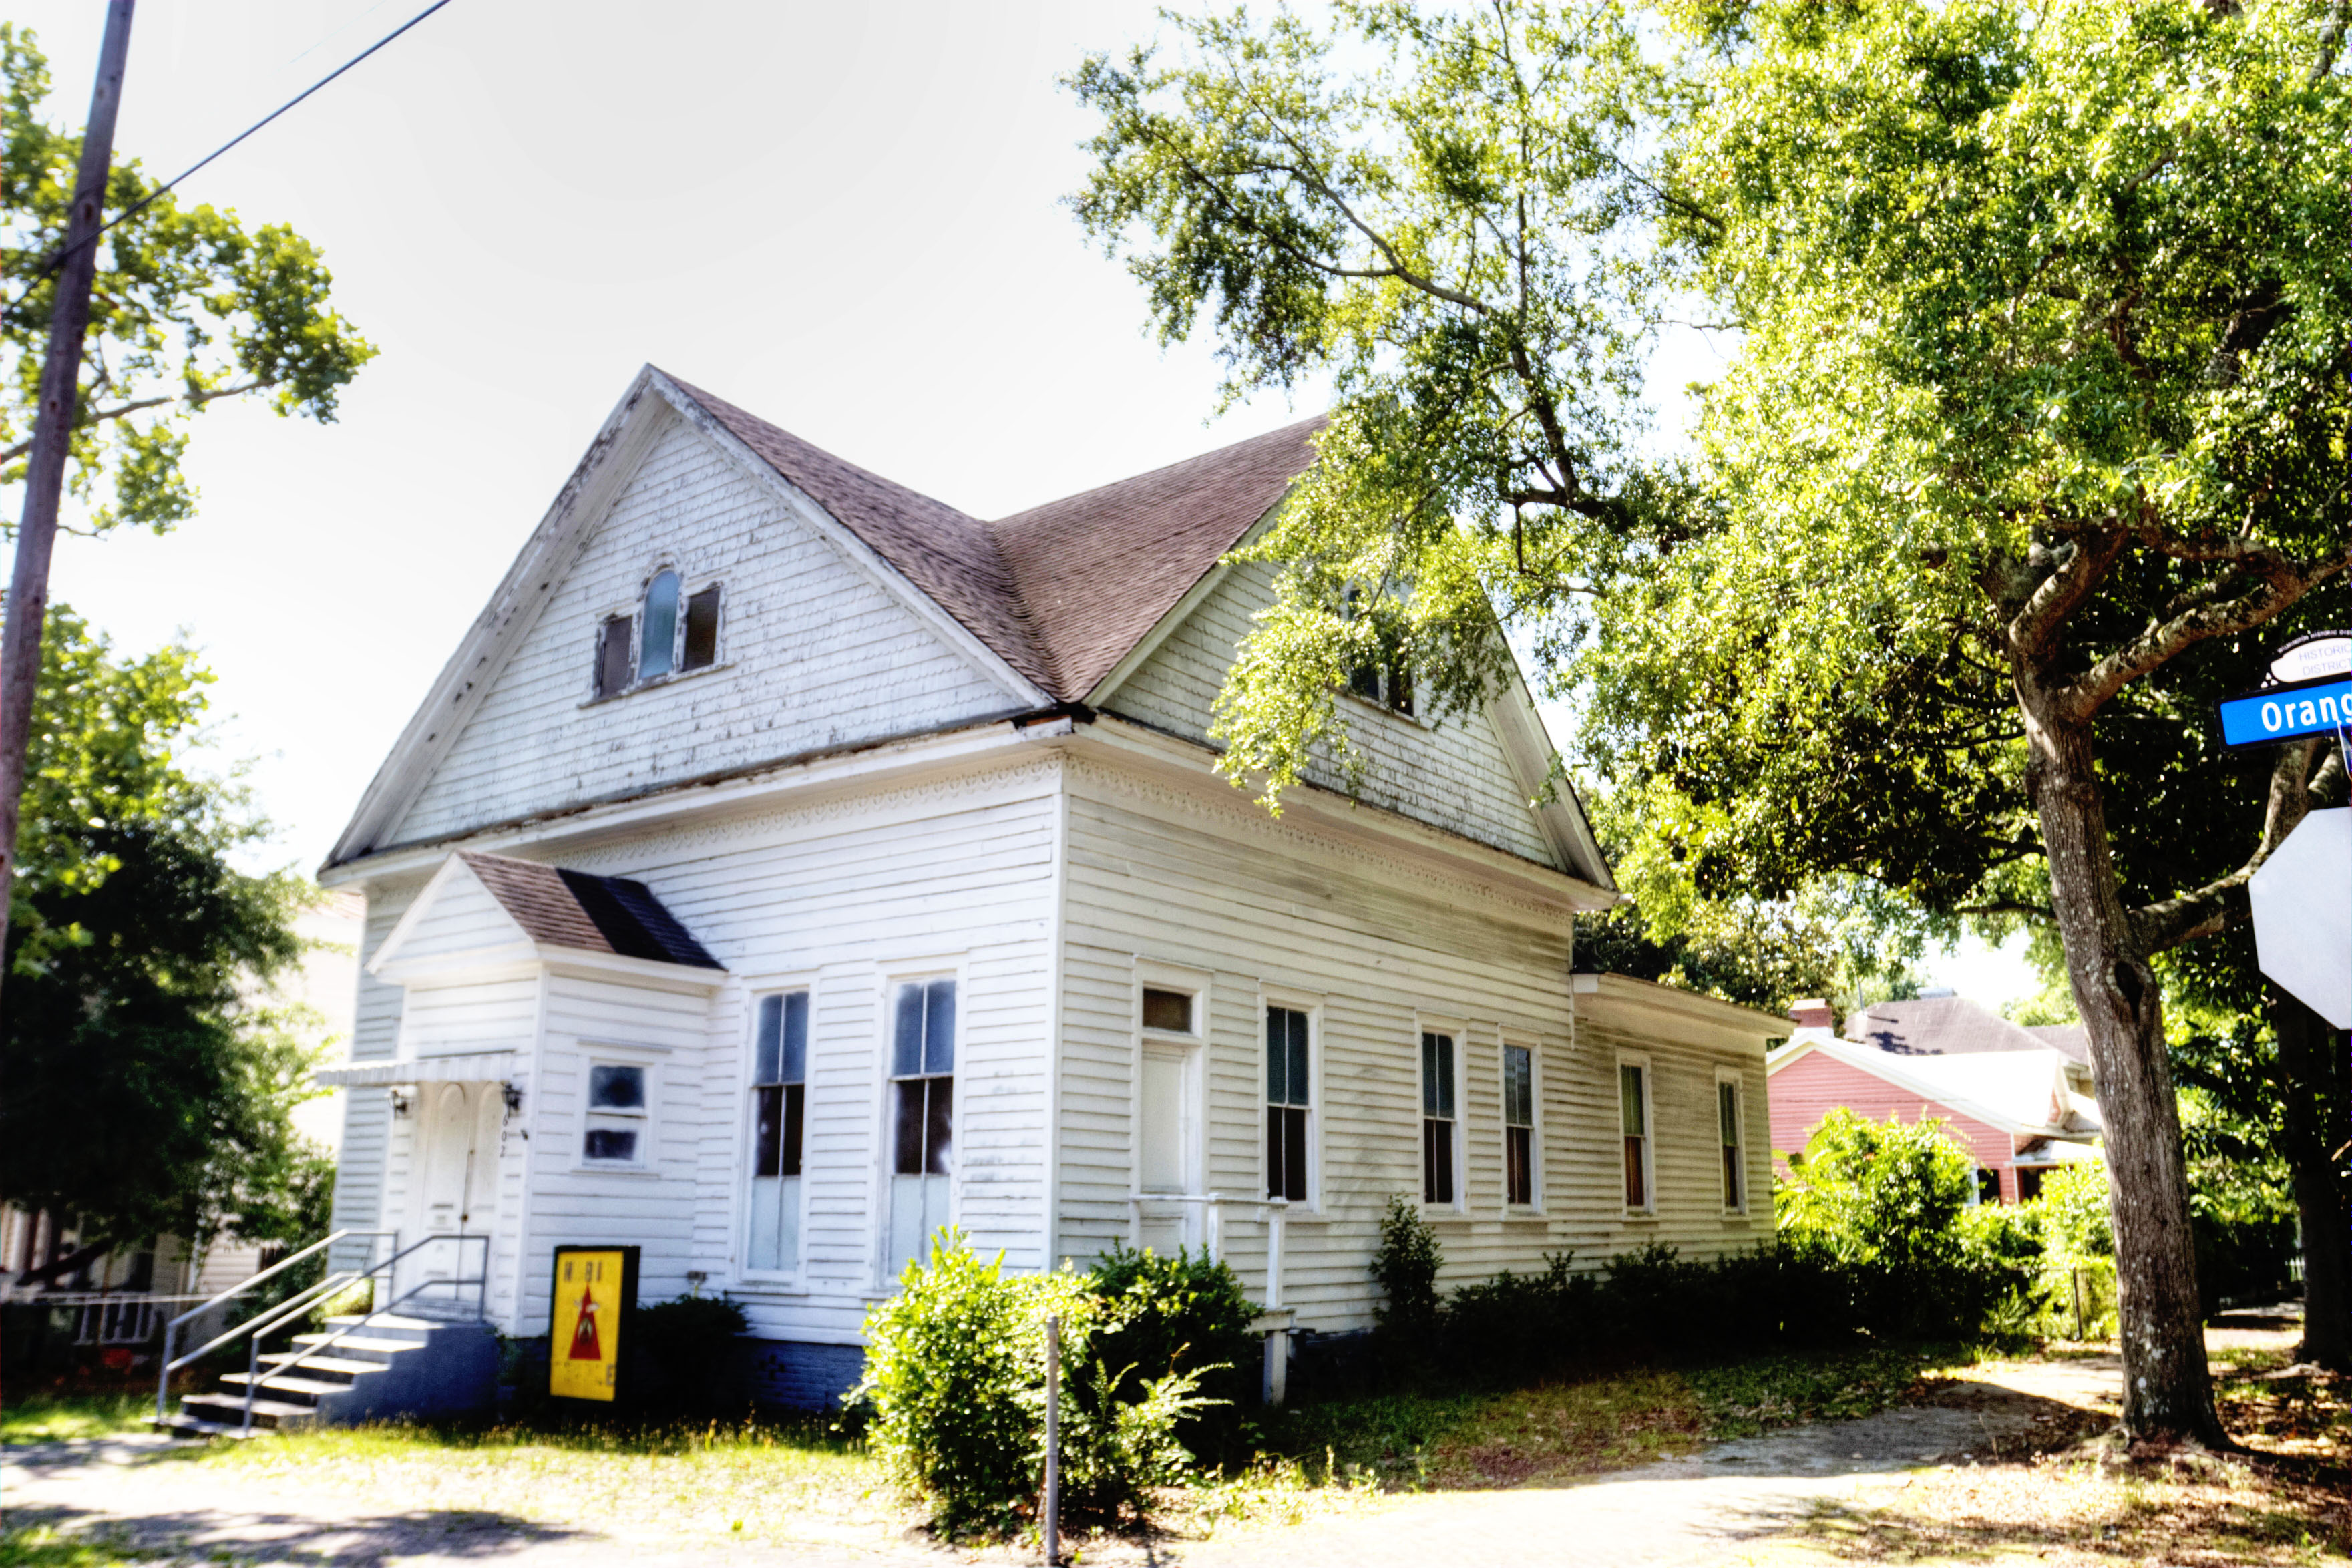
column 2020, row 1107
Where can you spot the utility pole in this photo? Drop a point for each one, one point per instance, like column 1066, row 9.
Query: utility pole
column 44, row 470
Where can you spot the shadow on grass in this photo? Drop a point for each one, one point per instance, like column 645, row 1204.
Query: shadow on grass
column 61, row 1536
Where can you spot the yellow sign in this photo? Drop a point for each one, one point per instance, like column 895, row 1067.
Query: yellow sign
column 584, row 1349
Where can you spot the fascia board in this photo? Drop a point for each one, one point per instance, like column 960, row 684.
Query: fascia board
column 810, row 513
column 1528, row 748
column 612, row 458
column 1187, row 767
column 386, row 960
column 583, row 964
column 1194, row 597
column 547, row 835
column 1622, row 992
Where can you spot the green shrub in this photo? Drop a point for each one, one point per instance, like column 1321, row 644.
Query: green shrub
column 1181, row 1314
column 686, row 1352
column 1407, row 1264
column 955, row 1377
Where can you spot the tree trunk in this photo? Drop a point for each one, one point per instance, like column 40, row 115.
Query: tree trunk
column 2167, row 1388
column 2317, row 1123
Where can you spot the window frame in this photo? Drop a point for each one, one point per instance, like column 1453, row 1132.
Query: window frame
column 884, row 1125
column 1425, row 1025
column 1312, row 1006
column 1190, row 1045
column 1730, row 1078
column 758, row 990
column 631, row 616
column 1511, row 1041
column 644, row 1121
column 1648, row 1209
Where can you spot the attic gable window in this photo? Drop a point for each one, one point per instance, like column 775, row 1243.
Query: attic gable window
column 1388, row 683
column 671, row 633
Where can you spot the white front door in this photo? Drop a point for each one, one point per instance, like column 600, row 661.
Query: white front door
column 1167, row 1141
column 457, row 1184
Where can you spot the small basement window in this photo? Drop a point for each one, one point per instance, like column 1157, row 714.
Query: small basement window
column 616, row 1132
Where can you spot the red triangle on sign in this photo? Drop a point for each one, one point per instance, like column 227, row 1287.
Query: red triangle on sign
column 586, row 1346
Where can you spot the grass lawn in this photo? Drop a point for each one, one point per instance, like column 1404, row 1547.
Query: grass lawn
column 45, row 1547
column 1478, row 1440
column 43, row 1417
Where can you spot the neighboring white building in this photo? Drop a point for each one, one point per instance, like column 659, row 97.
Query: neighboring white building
column 787, row 864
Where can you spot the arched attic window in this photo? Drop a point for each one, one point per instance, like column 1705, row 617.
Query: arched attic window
column 670, row 632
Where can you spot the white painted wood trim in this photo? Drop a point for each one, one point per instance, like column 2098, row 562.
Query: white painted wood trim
column 1057, row 981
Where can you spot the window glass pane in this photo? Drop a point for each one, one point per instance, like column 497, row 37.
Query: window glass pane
column 613, row 655
column 1399, row 689
column 907, row 1039
column 1364, row 681
column 1437, row 1075
column 1301, row 1085
column 795, row 1113
column 795, row 1052
column 767, row 1131
column 1294, row 1154
column 657, row 650
column 1436, row 1160
column 1726, row 1096
column 1629, row 1094
column 768, row 1042
column 1636, row 1187
column 1731, row 1177
column 1170, row 1010
column 701, row 630
column 1518, row 1162
column 939, row 1026
column 938, row 1129
column 907, row 1146
column 610, row 1144
column 1277, row 1057
column 617, row 1089
column 1518, row 1087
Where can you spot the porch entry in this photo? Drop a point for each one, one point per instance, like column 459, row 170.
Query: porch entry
column 923, row 1118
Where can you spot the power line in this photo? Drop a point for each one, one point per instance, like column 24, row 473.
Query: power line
column 58, row 259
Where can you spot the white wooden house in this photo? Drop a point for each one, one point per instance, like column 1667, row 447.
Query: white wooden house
column 788, row 864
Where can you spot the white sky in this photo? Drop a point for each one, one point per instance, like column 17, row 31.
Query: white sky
column 845, row 218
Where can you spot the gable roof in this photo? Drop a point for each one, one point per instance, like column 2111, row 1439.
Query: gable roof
column 1954, row 1026
column 1060, row 592
column 594, row 914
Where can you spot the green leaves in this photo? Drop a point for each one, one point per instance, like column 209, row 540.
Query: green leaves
column 187, row 309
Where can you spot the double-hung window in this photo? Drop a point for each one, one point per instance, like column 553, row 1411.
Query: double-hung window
column 617, row 1111
column 1728, row 1134
column 1634, row 1115
column 779, row 1114
column 922, row 1114
column 1519, row 1126
column 1289, row 1099
column 1436, row 1118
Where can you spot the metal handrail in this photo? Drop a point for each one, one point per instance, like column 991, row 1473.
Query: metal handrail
column 481, row 1299
column 254, row 1328
column 172, row 1329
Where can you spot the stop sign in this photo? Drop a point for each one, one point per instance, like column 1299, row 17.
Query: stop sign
column 2303, row 914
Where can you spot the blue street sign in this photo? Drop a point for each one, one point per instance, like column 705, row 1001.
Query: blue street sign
column 2286, row 713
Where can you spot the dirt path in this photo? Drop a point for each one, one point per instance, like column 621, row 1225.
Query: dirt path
column 1726, row 1505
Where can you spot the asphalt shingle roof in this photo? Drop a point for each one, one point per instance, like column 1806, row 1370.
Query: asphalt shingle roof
column 1954, row 1026
column 597, row 914
column 1061, row 592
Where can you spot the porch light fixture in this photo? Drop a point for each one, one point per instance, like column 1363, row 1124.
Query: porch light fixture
column 512, row 1093
column 399, row 1093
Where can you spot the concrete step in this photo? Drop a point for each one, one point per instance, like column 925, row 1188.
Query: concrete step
column 347, row 1366
column 360, row 1347
column 230, row 1407
column 285, row 1383
column 185, row 1425
column 388, row 1326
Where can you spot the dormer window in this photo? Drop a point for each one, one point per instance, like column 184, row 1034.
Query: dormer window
column 1389, row 682
column 671, row 633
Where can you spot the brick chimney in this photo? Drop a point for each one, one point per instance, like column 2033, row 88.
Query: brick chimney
column 1812, row 1014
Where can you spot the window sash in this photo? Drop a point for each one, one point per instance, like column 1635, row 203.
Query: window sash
column 1286, row 1153
column 610, row 1145
column 779, row 1040
column 1288, row 1071
column 1518, row 1087
column 1436, row 1159
column 1168, row 1010
column 658, row 645
column 615, row 1089
column 923, row 1127
column 614, row 645
column 923, row 1038
column 1727, row 1099
column 699, row 643
column 1518, row 1165
column 1632, row 1085
column 1437, row 1075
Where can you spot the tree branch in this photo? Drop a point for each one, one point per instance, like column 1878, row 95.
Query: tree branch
column 2282, row 585
column 2223, row 903
column 192, row 399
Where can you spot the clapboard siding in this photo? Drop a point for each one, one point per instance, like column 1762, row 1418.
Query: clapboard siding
column 1451, row 774
column 1806, row 1090
column 1155, row 877
column 361, row 1157
column 814, row 654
